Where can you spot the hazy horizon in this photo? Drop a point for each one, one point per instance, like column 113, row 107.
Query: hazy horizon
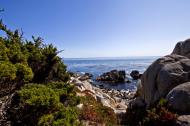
column 102, row 28
column 119, row 57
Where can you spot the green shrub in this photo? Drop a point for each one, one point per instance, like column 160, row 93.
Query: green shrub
column 42, row 104
column 23, row 61
column 64, row 117
column 15, row 53
column 46, row 120
column 39, row 96
column 7, row 77
column 45, row 63
column 15, row 72
column 65, row 91
column 8, row 71
column 61, row 86
column 3, row 51
column 32, row 102
column 24, row 73
column 43, row 59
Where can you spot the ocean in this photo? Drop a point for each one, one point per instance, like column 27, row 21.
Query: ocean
column 97, row 66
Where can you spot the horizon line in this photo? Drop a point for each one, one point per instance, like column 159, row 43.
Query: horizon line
column 107, row 57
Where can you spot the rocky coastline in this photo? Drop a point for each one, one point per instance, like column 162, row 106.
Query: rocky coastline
column 166, row 78
column 162, row 95
column 118, row 100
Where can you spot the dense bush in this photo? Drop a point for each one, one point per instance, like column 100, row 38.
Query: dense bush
column 45, row 63
column 8, row 71
column 13, row 76
column 7, row 77
column 23, row 61
column 42, row 97
column 39, row 96
column 36, row 103
column 24, row 73
column 64, row 117
column 66, row 93
column 3, row 51
column 14, row 72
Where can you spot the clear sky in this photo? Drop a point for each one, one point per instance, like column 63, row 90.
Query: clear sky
column 102, row 28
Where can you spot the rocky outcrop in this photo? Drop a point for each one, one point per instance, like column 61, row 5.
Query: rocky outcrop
column 117, row 100
column 183, row 120
column 182, row 48
column 162, row 76
column 113, row 77
column 85, row 76
column 82, row 85
column 5, row 103
column 135, row 74
column 179, row 98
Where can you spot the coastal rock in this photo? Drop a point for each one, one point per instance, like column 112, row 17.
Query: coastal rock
column 183, row 120
column 115, row 99
column 105, row 100
column 182, row 48
column 72, row 74
column 162, row 76
column 139, row 88
column 113, row 76
column 179, row 98
column 82, row 85
column 86, row 76
column 88, row 86
column 136, row 103
column 135, row 74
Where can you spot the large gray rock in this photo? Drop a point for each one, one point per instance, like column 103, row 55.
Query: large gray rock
column 179, row 98
column 162, row 76
column 182, row 48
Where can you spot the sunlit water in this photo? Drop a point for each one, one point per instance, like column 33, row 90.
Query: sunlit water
column 97, row 66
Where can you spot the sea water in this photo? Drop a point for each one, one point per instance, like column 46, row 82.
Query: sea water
column 97, row 66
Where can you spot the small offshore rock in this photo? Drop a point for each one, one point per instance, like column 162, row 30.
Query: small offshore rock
column 113, row 77
column 135, row 74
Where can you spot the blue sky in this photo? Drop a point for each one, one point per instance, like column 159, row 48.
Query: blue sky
column 102, row 28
